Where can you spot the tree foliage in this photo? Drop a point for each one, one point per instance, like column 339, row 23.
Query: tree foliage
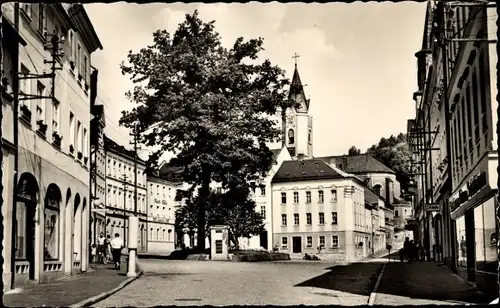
column 395, row 153
column 354, row 151
column 234, row 208
column 208, row 105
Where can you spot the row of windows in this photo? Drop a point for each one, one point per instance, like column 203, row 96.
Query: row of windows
column 321, row 219
column 119, row 170
column 309, row 241
column 162, row 190
column 117, row 198
column 470, row 123
column 321, row 197
column 157, row 234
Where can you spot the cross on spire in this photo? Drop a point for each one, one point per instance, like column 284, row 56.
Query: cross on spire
column 295, row 56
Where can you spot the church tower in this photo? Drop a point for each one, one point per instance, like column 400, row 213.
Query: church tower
column 298, row 124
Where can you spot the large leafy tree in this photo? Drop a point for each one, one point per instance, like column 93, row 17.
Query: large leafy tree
column 394, row 152
column 207, row 104
column 353, row 151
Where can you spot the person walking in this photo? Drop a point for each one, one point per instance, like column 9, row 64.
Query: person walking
column 108, row 256
column 407, row 248
column 94, row 253
column 421, row 252
column 101, row 248
column 116, row 248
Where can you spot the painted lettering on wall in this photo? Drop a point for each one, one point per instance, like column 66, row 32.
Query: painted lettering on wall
column 474, row 185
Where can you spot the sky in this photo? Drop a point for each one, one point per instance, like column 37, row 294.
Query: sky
column 357, row 60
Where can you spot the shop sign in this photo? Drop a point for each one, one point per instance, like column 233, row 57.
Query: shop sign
column 474, row 185
column 432, row 207
column 157, row 200
column 164, row 202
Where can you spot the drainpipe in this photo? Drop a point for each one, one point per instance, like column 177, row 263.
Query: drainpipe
column 15, row 88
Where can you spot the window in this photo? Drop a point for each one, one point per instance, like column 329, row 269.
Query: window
column 72, row 129
column 51, row 232
column 335, row 241
column 482, row 82
column 40, row 104
column 284, row 242
column 309, row 241
column 263, row 211
column 78, row 140
column 296, row 219
column 70, row 45
column 25, row 84
column 84, row 67
column 283, row 198
column 334, row 195
column 78, row 59
column 55, row 116
column 334, row 218
column 309, row 218
column 396, row 213
column 322, row 241
column 84, row 140
column 321, row 218
column 262, row 190
column 151, row 189
column 295, row 197
column 27, row 8
column 320, row 196
column 283, row 219
column 291, row 137
column 42, row 17
column 377, row 189
column 157, row 190
column 308, row 197
column 218, row 246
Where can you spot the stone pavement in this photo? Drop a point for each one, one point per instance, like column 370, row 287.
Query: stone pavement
column 68, row 291
column 424, row 284
column 173, row 282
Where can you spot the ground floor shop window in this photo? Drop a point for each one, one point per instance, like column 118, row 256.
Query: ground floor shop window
column 461, row 243
column 51, row 242
column 485, row 235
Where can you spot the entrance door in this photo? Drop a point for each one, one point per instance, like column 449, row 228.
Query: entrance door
column 470, row 241
column 30, row 238
column 263, row 239
column 297, row 244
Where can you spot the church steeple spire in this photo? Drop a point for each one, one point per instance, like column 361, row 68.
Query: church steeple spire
column 296, row 87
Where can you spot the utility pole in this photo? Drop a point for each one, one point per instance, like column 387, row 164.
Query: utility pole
column 133, row 220
column 124, row 208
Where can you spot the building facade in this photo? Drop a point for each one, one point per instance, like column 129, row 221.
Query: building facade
column 120, row 197
column 161, row 210
column 455, row 203
column 51, row 206
column 316, row 209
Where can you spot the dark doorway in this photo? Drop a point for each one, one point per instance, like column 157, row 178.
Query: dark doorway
column 470, row 241
column 297, row 244
column 263, row 239
column 30, row 238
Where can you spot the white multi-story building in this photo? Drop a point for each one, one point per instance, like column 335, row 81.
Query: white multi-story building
column 161, row 215
column 120, row 197
column 316, row 207
column 50, row 237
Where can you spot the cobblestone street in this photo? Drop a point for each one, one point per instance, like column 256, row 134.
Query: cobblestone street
column 222, row 283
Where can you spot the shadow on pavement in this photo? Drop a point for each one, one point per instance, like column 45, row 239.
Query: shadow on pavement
column 427, row 281
column 355, row 278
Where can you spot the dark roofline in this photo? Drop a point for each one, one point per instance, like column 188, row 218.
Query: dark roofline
column 159, row 179
column 363, row 154
column 301, row 179
column 112, row 146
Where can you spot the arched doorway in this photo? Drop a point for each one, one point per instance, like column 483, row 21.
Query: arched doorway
column 27, row 200
column 52, row 226
column 77, row 230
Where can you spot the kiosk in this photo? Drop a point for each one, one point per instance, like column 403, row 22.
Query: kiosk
column 219, row 242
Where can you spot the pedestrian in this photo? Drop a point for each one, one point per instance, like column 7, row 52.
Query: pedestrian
column 413, row 251
column 406, row 248
column 94, row 253
column 402, row 255
column 101, row 248
column 108, row 256
column 421, row 251
column 117, row 246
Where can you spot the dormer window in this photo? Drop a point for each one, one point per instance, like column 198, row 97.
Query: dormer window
column 291, row 137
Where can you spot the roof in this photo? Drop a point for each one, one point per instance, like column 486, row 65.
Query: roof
column 171, row 174
column 112, row 146
column 371, row 197
column 82, row 21
column 310, row 169
column 356, row 164
column 296, row 87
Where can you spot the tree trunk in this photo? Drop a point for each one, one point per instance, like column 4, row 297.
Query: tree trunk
column 202, row 205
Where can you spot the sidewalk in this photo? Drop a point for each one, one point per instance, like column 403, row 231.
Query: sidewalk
column 66, row 292
column 424, row 284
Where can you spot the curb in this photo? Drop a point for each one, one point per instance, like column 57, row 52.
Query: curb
column 373, row 294
column 90, row 301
